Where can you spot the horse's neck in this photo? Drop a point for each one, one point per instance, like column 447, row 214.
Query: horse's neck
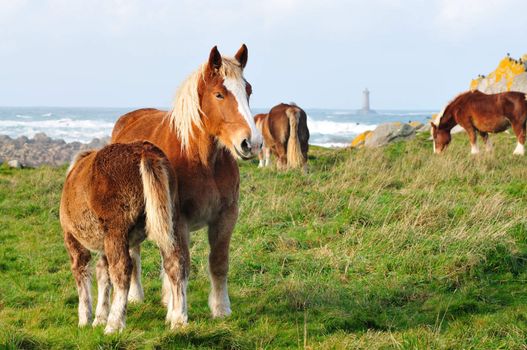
column 203, row 150
column 448, row 123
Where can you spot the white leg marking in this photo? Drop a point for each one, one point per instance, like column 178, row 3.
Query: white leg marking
column 104, row 288
column 177, row 314
column 519, row 150
column 219, row 302
column 474, row 149
column 267, row 156
column 166, row 289
column 136, row 294
column 85, row 304
column 261, row 163
column 117, row 318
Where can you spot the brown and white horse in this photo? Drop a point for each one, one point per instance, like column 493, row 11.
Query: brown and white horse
column 285, row 133
column 109, row 198
column 480, row 113
column 209, row 126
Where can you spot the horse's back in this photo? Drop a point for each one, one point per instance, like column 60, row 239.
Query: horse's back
column 137, row 125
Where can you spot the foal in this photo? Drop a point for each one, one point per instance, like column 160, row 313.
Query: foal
column 111, row 197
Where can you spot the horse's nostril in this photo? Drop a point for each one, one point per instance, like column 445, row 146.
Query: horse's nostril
column 246, row 146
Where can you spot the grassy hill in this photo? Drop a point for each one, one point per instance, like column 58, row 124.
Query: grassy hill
column 386, row 248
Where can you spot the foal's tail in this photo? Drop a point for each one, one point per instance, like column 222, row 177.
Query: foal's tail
column 158, row 199
column 295, row 158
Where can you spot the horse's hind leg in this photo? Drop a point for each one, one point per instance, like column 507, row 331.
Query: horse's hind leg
column 267, row 156
column 104, row 288
column 473, row 137
column 519, row 130
column 486, row 141
column 80, row 258
column 176, row 269
column 120, row 269
column 136, row 294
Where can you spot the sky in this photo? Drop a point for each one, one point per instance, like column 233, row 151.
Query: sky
column 411, row 54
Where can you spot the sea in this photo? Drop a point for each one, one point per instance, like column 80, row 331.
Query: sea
column 328, row 127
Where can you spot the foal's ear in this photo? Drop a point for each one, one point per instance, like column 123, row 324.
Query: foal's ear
column 214, row 59
column 242, row 55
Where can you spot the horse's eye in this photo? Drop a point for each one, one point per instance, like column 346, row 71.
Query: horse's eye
column 219, row 96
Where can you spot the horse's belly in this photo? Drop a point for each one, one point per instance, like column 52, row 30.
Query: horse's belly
column 494, row 125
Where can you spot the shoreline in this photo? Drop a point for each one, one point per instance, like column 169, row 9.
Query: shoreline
column 24, row 152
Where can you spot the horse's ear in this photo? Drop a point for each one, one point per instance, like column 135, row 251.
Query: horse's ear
column 242, row 55
column 214, row 59
column 433, row 125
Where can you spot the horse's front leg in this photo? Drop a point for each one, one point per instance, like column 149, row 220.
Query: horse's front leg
column 519, row 130
column 220, row 233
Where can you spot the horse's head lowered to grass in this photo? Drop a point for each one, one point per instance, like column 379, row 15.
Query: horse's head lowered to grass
column 214, row 102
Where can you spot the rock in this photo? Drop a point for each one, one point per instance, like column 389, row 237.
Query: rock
column 510, row 75
column 415, row 124
column 388, row 133
column 43, row 150
column 360, row 139
column 41, row 138
column 14, row 164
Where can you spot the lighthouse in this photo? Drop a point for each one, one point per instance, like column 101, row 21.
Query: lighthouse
column 366, row 103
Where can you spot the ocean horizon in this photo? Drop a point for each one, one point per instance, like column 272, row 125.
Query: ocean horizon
column 329, row 127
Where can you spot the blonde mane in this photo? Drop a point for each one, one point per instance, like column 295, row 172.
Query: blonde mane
column 186, row 112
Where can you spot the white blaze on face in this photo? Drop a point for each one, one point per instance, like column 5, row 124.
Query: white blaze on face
column 237, row 88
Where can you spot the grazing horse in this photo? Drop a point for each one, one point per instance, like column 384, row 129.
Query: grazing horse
column 480, row 113
column 209, row 126
column 110, row 198
column 285, row 134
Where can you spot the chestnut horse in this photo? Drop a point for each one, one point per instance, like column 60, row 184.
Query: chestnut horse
column 110, row 196
column 209, row 126
column 285, row 134
column 480, row 113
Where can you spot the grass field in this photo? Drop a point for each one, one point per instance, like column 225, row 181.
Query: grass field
column 386, row 248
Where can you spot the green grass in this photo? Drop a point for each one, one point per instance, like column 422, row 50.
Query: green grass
column 386, row 248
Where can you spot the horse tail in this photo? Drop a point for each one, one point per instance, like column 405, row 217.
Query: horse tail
column 158, row 200
column 294, row 153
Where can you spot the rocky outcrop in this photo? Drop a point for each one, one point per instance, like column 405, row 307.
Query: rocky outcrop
column 388, row 133
column 42, row 150
column 510, row 75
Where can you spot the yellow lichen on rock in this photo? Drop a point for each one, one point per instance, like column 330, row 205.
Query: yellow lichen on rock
column 360, row 139
column 509, row 75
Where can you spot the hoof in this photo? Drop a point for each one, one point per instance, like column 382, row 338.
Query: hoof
column 110, row 329
column 177, row 321
column 221, row 312
column 99, row 321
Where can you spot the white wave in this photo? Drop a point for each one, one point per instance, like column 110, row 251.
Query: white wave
column 47, row 114
column 57, row 123
column 23, row 116
column 330, row 144
column 67, row 129
column 335, row 128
